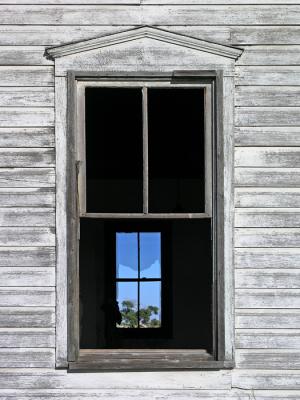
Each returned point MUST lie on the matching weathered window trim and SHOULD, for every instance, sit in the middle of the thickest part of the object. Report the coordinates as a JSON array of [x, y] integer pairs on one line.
[[67, 346]]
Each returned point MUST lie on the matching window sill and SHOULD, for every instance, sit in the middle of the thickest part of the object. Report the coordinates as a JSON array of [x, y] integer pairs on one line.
[[150, 359]]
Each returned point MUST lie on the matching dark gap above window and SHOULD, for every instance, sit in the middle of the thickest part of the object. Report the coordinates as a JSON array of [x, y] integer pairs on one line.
[[176, 150], [114, 160]]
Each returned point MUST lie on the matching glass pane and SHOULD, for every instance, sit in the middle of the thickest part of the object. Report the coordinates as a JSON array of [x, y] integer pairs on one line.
[[176, 150], [114, 155], [150, 257], [150, 304], [127, 298], [127, 255]]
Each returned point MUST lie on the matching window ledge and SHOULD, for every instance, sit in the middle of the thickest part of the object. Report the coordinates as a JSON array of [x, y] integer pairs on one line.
[[146, 359]]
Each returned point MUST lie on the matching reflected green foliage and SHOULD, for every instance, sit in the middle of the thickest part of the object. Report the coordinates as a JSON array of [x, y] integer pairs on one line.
[[130, 316]]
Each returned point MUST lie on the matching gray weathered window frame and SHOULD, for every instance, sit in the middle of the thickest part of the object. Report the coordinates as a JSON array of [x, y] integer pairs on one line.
[[222, 123]]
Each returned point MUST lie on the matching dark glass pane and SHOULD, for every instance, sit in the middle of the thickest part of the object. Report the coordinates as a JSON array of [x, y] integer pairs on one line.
[[150, 255], [127, 298], [127, 255], [114, 150], [176, 150], [150, 305]]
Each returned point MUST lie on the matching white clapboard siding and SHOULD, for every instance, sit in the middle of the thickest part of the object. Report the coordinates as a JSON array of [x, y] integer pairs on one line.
[[27, 358], [268, 358], [266, 279], [148, 15], [28, 137], [267, 237], [268, 116], [27, 297], [269, 96], [27, 177], [267, 380], [27, 276], [270, 55], [267, 217], [267, 258], [267, 157], [267, 338], [28, 157], [27, 337], [267, 318], [27, 236], [27, 197], [27, 317], [27, 256], [23, 55], [267, 75], [267, 197], [267, 136], [23, 116], [26, 96], [26, 76], [267, 177], [267, 298]]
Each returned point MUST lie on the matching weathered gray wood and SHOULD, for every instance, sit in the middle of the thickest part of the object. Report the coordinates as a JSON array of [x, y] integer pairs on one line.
[[268, 359], [27, 236], [148, 15], [267, 298], [26, 97], [267, 338], [267, 136], [27, 276], [270, 55], [22, 116], [23, 55], [265, 318], [27, 137], [27, 358], [267, 217], [27, 197], [273, 380], [267, 157], [27, 256], [260, 96], [266, 279], [272, 75], [27, 177], [27, 157], [26, 76], [267, 258], [27, 337], [268, 116], [267, 237], [267, 197], [267, 177], [27, 297], [27, 317]]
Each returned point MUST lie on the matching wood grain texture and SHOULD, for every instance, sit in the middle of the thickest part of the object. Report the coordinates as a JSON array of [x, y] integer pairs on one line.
[[23, 55], [23, 116], [287, 157], [269, 96], [267, 136], [267, 197], [267, 338], [270, 55], [267, 258], [27, 137], [267, 237], [266, 279], [27, 317], [268, 359], [267, 217], [27, 157], [27, 177], [267, 75], [27, 358], [267, 298], [27, 197], [26, 96], [267, 318], [27, 276], [267, 177], [267, 380], [26, 76], [27, 297], [27, 337], [27, 236], [267, 116], [27, 256]]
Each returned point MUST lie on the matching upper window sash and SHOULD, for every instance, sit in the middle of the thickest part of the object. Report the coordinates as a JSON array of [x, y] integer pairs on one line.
[[81, 146]]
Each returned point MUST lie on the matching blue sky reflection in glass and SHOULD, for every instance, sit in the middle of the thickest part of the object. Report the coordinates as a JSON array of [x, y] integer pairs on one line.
[[127, 255], [150, 255]]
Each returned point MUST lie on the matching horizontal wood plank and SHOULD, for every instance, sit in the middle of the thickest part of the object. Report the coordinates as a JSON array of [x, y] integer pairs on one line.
[[27, 137], [27, 358], [270, 55], [27, 157], [266, 279], [27, 256], [267, 177], [267, 298], [267, 318], [268, 116], [266, 197], [267, 380], [269, 96], [27, 276], [27, 317], [267, 237], [27, 337], [22, 116], [267, 217], [26, 76], [27, 177], [26, 97], [271, 157], [267, 258], [27, 236], [27, 297], [264, 75], [267, 339], [23, 55], [27, 197], [267, 136], [268, 359]]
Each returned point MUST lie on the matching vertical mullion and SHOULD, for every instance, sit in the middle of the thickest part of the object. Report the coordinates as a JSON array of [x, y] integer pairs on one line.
[[139, 275], [145, 150]]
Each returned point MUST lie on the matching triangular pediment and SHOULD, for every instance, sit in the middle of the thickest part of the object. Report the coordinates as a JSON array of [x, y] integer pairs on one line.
[[145, 32]]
